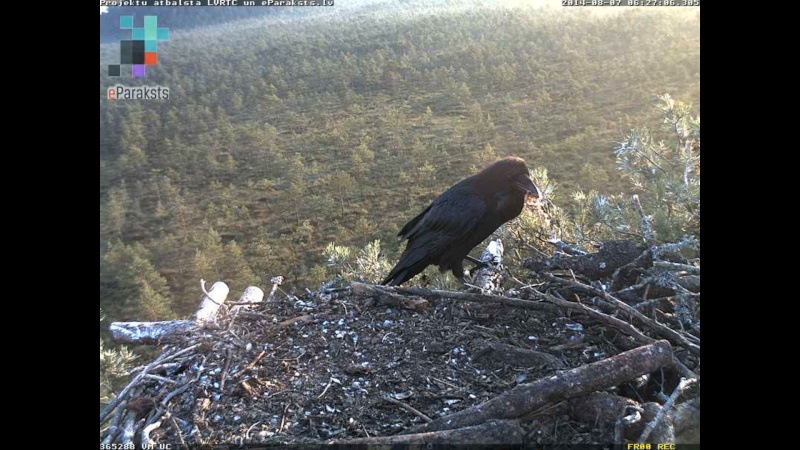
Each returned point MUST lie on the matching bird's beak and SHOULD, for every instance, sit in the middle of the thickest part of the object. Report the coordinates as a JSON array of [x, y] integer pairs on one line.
[[525, 184]]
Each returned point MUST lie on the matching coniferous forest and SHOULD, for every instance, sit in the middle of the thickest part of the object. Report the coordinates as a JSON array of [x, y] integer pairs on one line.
[[290, 138]]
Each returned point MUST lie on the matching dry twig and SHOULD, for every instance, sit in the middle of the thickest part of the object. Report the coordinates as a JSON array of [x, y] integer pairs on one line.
[[664, 409], [408, 408]]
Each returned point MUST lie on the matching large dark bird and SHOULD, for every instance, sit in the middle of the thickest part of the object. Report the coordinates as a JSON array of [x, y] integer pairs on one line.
[[461, 218]]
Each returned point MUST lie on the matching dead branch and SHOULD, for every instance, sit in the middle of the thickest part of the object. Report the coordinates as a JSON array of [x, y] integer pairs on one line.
[[627, 275], [612, 321], [619, 425], [686, 419], [489, 278], [566, 248], [628, 417], [509, 354], [172, 330], [162, 407], [128, 430], [693, 270], [115, 427], [526, 398], [146, 433], [299, 321], [125, 391], [492, 432], [689, 282], [367, 289], [384, 295], [611, 256], [150, 376], [648, 233], [598, 407], [251, 365], [225, 369], [149, 332], [408, 408], [276, 281], [667, 406], [252, 296], [661, 329], [211, 301], [327, 386], [177, 430]]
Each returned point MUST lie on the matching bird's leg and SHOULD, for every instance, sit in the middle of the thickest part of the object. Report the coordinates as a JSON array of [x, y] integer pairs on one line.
[[477, 262], [464, 284], [458, 272], [467, 286]]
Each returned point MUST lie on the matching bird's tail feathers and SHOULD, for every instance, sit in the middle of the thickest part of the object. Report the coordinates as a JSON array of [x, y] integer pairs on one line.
[[414, 260], [395, 277]]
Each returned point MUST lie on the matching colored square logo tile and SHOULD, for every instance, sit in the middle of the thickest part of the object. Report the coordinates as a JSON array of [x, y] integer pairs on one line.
[[137, 70], [138, 52], [126, 22], [142, 49], [126, 52], [150, 27]]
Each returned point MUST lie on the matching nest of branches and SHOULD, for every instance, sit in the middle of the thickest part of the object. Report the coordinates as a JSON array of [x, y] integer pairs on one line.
[[601, 347]]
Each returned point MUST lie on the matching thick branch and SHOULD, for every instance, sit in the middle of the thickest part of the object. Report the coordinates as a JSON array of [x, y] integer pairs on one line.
[[157, 362], [516, 356], [149, 332], [434, 294], [167, 331], [276, 281], [663, 330], [211, 302], [494, 432], [252, 295], [386, 296], [611, 256], [529, 397], [489, 278], [667, 406], [566, 248]]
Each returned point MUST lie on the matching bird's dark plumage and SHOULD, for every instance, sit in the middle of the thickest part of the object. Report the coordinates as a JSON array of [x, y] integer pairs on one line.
[[461, 218]]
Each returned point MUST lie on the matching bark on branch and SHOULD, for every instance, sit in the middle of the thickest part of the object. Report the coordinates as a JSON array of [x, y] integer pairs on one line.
[[493, 432], [489, 277], [390, 295], [526, 398], [661, 329], [508, 354], [155, 332], [611, 256]]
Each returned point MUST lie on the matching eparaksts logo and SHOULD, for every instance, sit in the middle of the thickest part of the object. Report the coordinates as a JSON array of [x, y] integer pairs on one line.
[[120, 92], [142, 49]]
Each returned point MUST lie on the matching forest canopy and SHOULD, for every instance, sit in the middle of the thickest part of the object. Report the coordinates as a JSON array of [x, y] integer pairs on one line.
[[284, 137]]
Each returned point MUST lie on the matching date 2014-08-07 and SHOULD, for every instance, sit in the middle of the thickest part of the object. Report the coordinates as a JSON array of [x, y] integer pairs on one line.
[[630, 2], [135, 447]]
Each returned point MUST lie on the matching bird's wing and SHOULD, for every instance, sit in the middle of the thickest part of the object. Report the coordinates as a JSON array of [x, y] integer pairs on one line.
[[443, 224], [453, 216]]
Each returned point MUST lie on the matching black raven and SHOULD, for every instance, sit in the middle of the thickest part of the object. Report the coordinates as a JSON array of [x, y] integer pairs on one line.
[[461, 218]]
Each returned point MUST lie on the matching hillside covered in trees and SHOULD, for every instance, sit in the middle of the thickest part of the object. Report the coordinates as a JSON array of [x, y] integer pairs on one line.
[[285, 135]]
